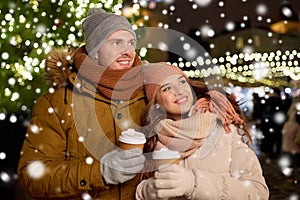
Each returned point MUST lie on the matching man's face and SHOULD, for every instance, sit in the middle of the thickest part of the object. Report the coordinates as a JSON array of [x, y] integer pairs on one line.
[[117, 51]]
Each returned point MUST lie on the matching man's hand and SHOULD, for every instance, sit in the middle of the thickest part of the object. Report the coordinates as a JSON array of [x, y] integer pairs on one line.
[[119, 165]]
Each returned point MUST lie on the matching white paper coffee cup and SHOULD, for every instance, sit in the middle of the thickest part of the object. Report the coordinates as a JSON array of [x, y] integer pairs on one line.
[[165, 156]]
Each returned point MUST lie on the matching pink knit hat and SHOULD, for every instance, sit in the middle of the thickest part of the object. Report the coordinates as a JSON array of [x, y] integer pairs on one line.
[[154, 74]]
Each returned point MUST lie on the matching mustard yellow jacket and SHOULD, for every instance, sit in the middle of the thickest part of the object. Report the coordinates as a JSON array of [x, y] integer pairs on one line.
[[70, 129]]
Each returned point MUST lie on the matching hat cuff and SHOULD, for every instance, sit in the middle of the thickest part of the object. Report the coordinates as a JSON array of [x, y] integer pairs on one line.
[[91, 49]]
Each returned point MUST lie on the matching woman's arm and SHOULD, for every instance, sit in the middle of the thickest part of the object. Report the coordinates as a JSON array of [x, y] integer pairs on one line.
[[245, 181]]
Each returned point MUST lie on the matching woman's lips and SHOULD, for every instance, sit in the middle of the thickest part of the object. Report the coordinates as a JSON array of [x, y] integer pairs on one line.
[[181, 100]]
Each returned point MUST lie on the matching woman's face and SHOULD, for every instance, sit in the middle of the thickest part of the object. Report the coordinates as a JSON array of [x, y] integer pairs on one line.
[[175, 95]]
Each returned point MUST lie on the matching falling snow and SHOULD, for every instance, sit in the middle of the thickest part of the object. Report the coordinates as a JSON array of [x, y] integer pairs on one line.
[[34, 128], [34, 35], [5, 177], [36, 169]]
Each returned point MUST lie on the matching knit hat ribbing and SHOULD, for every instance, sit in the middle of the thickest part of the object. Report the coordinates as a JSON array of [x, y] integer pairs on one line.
[[99, 25], [154, 74]]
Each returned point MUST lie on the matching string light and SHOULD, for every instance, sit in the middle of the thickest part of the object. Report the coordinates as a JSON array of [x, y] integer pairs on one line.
[[65, 30]]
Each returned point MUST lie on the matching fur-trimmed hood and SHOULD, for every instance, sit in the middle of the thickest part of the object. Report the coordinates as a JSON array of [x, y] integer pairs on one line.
[[59, 66]]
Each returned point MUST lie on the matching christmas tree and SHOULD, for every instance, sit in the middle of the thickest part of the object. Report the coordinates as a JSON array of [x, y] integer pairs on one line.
[[29, 30]]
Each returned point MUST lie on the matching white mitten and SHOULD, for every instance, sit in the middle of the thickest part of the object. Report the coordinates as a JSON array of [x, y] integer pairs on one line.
[[149, 190], [173, 181], [119, 165]]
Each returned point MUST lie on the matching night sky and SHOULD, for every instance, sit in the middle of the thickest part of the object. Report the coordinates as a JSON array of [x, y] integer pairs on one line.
[[217, 13]]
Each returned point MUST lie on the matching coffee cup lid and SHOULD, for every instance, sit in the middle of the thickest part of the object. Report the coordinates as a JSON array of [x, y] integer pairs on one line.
[[165, 153], [132, 136]]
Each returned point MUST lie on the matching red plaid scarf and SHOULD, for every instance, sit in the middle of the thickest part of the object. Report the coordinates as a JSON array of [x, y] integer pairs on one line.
[[120, 84]]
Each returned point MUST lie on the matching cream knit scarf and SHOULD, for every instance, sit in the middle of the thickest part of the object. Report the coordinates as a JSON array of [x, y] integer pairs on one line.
[[115, 84], [186, 135]]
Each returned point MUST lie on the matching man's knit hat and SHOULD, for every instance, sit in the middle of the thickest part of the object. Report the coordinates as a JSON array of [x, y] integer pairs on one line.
[[154, 74], [99, 25]]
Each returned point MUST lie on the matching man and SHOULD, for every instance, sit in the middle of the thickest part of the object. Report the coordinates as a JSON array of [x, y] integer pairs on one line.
[[70, 147]]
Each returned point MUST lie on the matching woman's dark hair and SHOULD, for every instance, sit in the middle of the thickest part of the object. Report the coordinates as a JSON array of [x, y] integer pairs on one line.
[[201, 91]]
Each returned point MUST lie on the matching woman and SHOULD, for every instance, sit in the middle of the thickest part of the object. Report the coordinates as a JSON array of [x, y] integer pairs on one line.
[[208, 130]]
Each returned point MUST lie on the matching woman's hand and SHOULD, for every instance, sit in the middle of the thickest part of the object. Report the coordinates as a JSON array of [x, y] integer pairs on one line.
[[173, 180]]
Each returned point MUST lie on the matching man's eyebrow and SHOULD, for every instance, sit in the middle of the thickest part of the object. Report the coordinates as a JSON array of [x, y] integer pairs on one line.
[[114, 39], [120, 39]]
